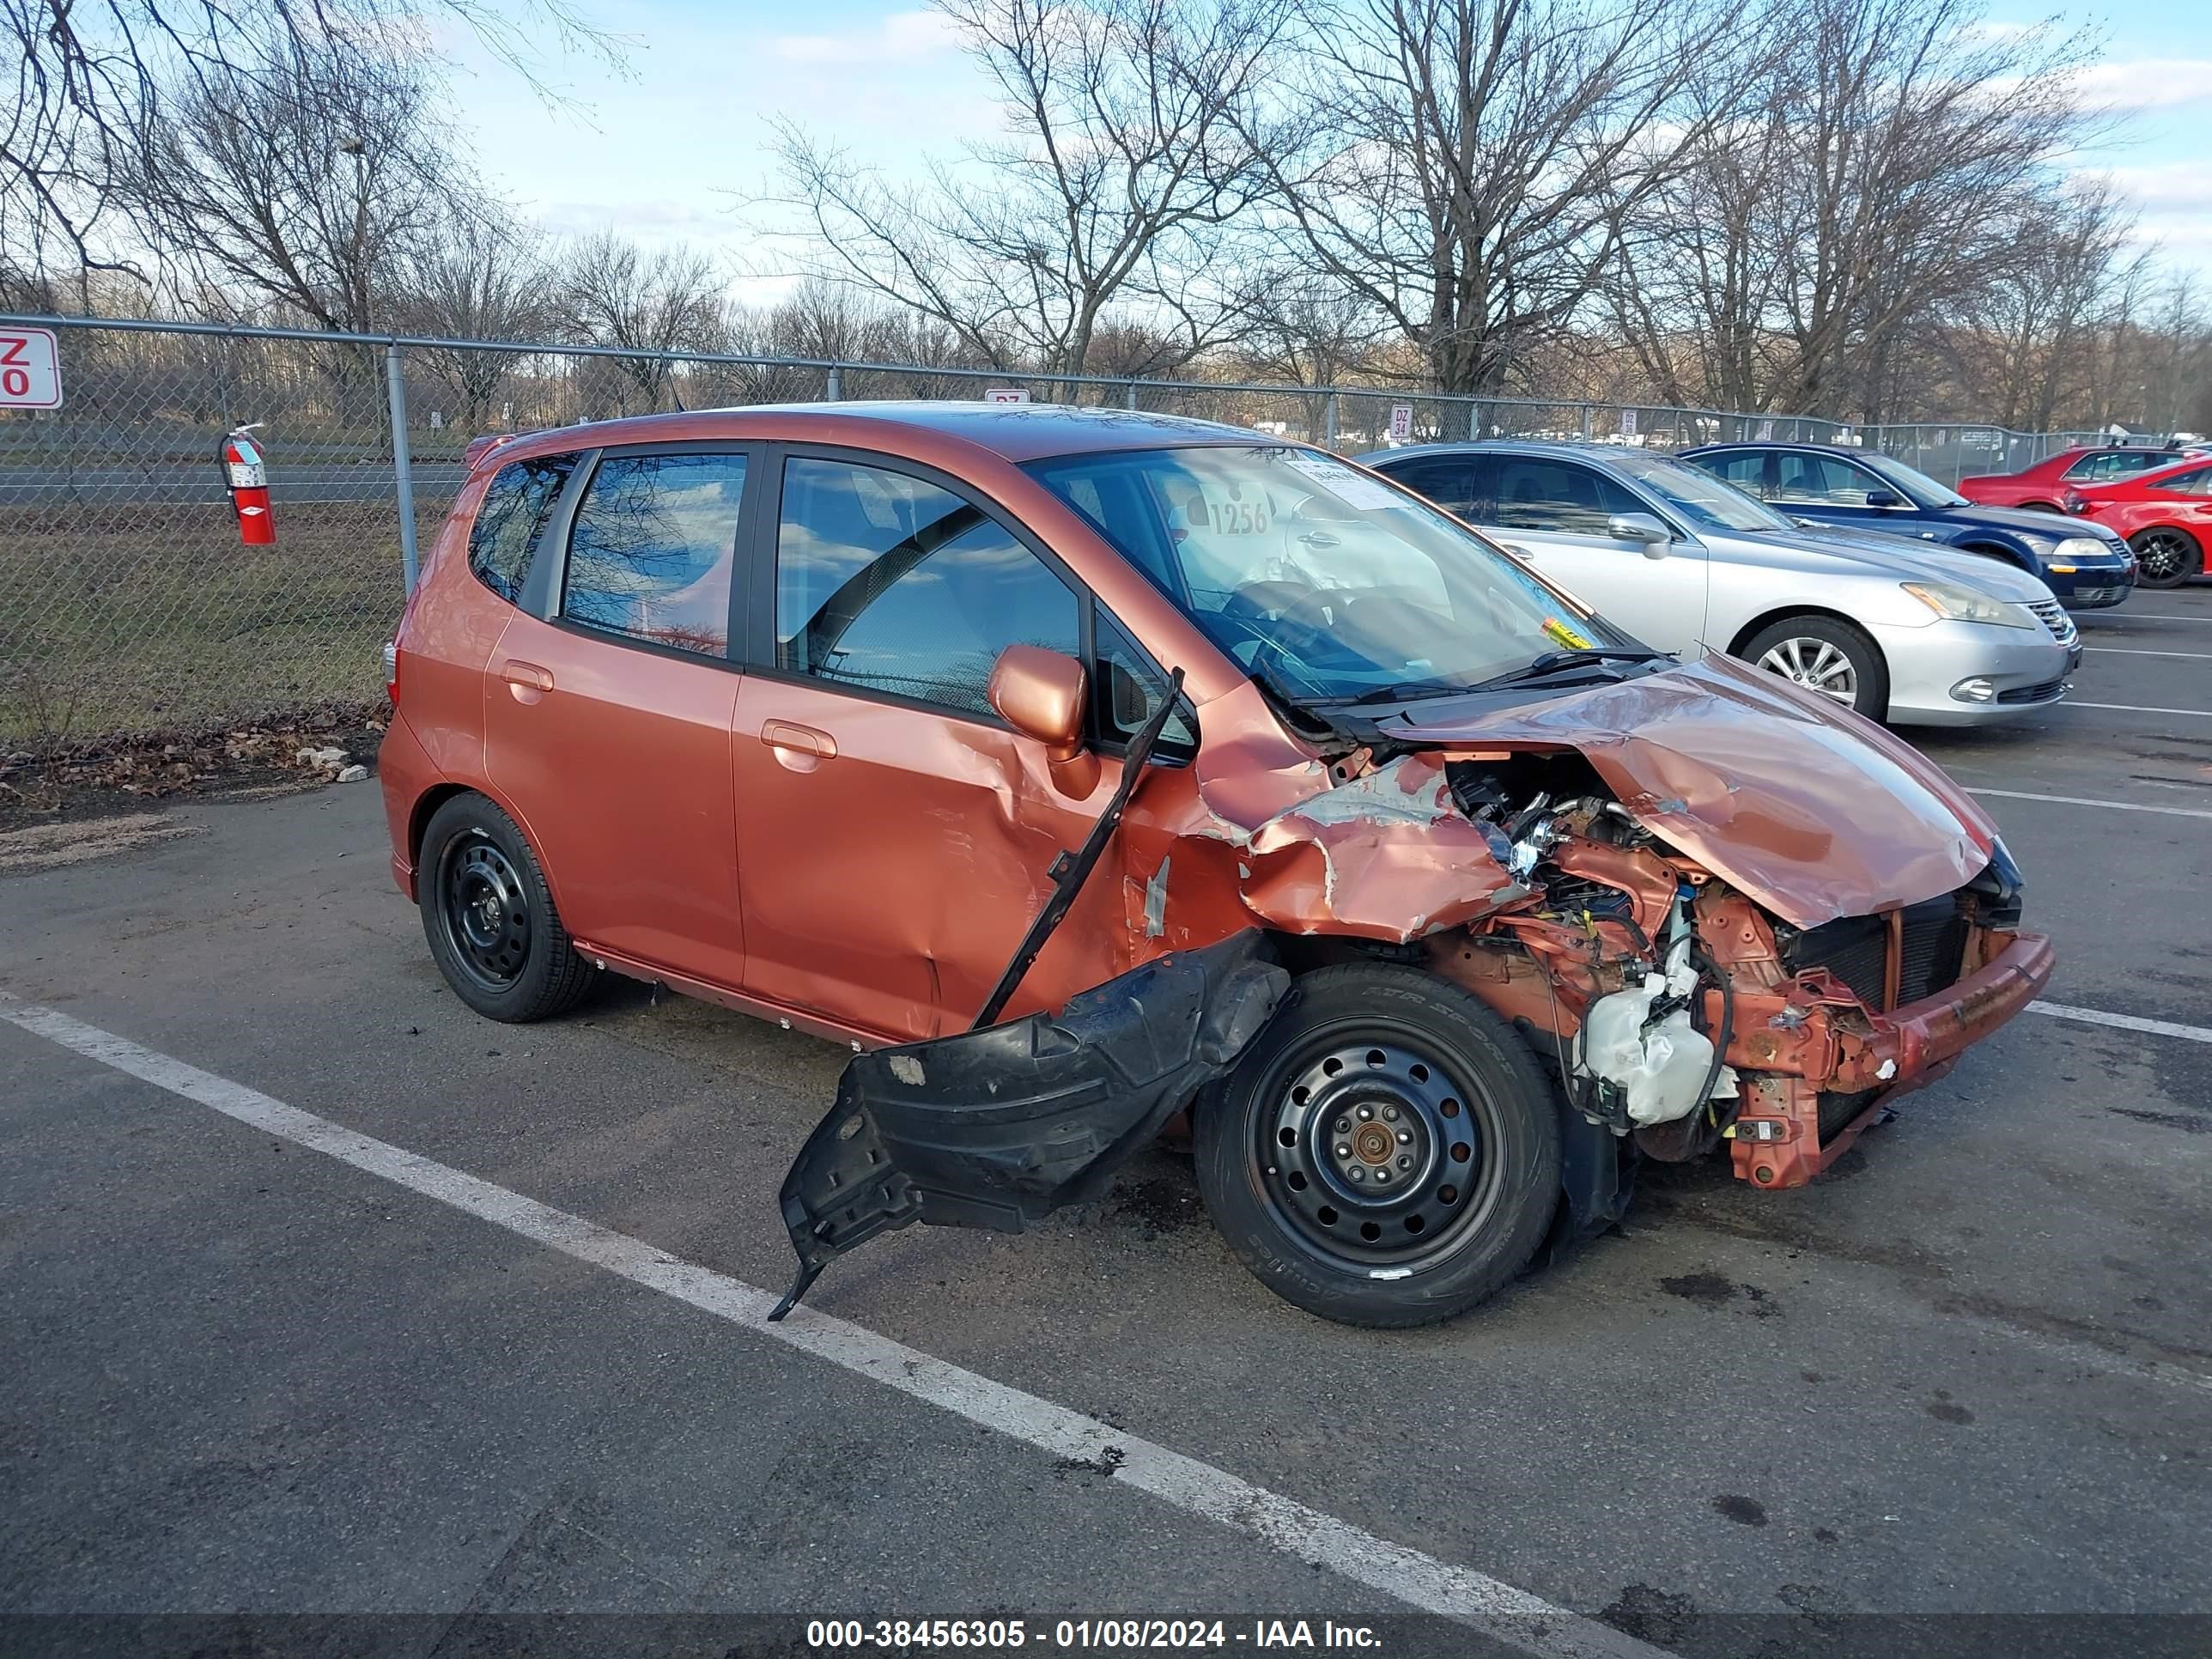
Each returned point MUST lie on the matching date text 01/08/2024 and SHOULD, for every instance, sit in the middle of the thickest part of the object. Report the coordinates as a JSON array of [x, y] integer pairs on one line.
[[986, 1635]]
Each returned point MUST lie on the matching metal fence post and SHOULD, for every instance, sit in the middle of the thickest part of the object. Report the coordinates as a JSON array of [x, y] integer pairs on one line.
[[1590, 422], [836, 389], [1475, 423], [403, 471], [1328, 421], [1133, 395]]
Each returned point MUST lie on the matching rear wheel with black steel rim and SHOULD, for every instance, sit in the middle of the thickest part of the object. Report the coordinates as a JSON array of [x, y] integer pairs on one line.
[[1387, 1154], [2166, 557], [488, 916]]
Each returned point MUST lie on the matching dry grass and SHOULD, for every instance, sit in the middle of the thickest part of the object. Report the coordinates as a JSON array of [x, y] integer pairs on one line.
[[139, 617]]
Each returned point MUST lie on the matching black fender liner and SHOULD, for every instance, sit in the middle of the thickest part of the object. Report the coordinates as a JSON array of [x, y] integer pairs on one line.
[[1000, 1126]]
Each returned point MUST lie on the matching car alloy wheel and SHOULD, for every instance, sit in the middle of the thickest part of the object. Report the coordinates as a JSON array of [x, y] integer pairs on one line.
[[485, 909], [1818, 665], [2163, 558], [1374, 1155]]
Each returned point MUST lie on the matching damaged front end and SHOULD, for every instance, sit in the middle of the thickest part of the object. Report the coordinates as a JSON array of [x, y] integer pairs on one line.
[[1684, 1014], [1724, 910], [1724, 914]]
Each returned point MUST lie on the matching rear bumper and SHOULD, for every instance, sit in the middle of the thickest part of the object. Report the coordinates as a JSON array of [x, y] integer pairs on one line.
[[1777, 1135], [407, 773]]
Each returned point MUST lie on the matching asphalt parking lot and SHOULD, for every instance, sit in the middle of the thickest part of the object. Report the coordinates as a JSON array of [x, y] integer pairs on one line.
[[251, 1363]]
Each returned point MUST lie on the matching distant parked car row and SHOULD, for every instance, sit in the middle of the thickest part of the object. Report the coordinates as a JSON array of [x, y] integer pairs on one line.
[[2085, 566], [2045, 486], [2160, 500], [1897, 630]]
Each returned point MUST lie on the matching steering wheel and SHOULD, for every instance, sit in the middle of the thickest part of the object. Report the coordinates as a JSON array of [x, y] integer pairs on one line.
[[1286, 624]]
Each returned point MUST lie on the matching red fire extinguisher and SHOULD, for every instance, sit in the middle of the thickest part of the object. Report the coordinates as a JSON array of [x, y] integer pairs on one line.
[[247, 479]]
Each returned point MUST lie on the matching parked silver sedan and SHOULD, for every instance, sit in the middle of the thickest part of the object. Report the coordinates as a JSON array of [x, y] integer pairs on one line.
[[1900, 631]]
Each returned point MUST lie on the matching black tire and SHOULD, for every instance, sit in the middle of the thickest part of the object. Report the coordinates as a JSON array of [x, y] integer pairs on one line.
[[1474, 1149], [2167, 556], [1800, 640], [489, 916]]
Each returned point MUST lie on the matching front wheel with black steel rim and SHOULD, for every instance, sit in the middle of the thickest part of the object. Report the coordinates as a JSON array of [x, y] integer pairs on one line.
[[488, 916], [2166, 557], [1387, 1154], [1828, 655]]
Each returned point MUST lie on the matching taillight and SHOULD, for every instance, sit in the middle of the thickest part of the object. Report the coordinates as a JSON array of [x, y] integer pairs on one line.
[[392, 670], [2075, 502]]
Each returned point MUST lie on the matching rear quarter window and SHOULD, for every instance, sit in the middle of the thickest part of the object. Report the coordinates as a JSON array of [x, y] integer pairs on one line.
[[517, 506]]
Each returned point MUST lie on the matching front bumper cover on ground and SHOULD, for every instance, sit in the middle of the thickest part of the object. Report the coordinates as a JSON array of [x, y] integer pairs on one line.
[[1000, 1126]]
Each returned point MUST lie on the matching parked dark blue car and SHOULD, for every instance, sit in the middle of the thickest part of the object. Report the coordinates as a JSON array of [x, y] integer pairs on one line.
[[2085, 565]]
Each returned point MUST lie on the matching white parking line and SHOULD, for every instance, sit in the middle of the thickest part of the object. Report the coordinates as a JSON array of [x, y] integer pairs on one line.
[[2121, 651], [1506, 1614], [2085, 800], [2123, 1022], [2135, 708]]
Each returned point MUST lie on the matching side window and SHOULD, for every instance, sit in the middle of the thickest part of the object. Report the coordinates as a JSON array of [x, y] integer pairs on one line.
[[1125, 692], [651, 553], [885, 581], [1748, 472], [1822, 480], [2196, 482], [1447, 480], [516, 506], [2093, 468], [1537, 494]]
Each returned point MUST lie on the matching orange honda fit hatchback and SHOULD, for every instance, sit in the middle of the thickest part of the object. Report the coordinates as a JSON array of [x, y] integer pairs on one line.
[[1083, 770]]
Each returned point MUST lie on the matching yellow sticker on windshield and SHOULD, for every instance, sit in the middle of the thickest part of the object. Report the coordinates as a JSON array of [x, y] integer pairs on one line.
[[1554, 628]]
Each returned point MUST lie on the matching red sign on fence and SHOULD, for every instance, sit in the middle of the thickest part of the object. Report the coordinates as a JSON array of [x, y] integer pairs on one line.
[[30, 368]]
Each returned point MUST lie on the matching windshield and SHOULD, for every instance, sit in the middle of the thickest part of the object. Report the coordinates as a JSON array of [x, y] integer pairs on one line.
[[1918, 487], [1706, 501], [1319, 582]]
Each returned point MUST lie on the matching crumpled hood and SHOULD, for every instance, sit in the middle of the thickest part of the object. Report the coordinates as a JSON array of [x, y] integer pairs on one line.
[[1804, 806], [1909, 559]]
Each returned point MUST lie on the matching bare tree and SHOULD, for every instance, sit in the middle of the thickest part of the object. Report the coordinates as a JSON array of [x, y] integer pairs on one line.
[[482, 277], [1473, 158], [663, 303], [2016, 342], [97, 85], [1136, 129], [310, 184], [1895, 169]]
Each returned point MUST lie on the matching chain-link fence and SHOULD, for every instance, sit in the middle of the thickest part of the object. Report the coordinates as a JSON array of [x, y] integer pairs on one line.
[[127, 602]]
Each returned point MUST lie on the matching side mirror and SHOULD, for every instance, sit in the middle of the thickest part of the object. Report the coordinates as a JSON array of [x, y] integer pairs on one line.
[[1884, 498], [1043, 694], [1640, 527]]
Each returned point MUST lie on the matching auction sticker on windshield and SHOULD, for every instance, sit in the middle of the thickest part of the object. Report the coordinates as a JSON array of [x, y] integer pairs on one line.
[[1348, 485]]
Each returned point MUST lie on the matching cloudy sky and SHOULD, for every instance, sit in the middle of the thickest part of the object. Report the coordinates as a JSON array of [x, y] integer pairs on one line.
[[660, 152]]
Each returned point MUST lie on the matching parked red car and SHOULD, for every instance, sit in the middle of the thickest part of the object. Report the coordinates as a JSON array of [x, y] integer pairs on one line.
[[1260, 792], [2167, 516], [2043, 486]]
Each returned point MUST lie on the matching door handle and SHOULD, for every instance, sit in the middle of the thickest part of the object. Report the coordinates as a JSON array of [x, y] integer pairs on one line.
[[526, 680], [799, 739]]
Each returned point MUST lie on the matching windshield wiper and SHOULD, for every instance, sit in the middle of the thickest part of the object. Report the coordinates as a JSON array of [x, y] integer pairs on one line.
[[1411, 691], [1553, 662]]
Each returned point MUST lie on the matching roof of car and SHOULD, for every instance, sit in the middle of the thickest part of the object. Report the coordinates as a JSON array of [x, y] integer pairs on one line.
[[1579, 448], [1013, 432]]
